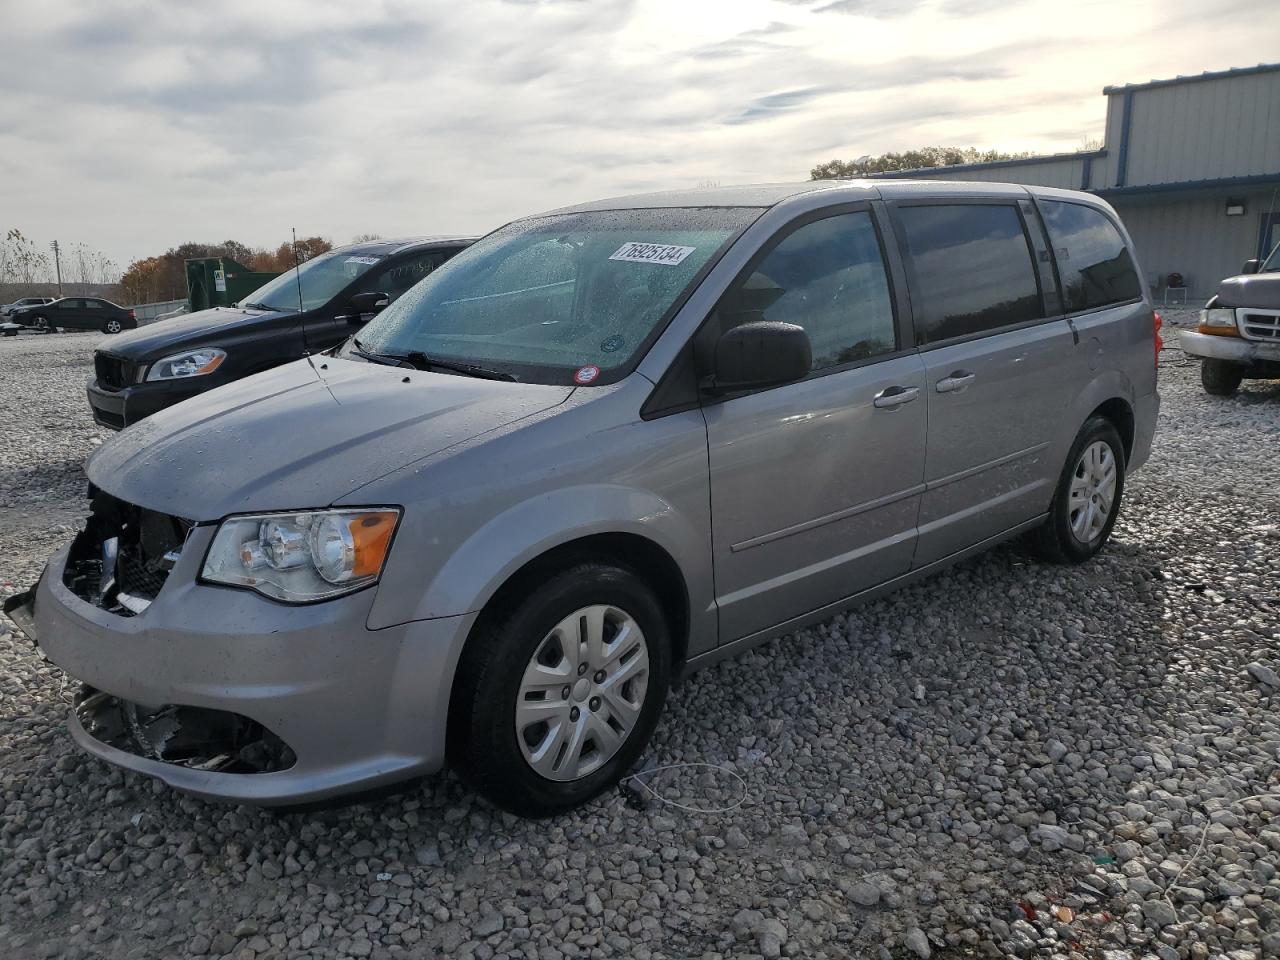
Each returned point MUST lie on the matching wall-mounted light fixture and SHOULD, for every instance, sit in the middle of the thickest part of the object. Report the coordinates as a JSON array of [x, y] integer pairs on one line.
[[1235, 208]]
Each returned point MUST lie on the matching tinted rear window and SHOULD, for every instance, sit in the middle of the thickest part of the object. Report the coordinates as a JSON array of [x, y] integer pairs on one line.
[[971, 269], [1093, 262]]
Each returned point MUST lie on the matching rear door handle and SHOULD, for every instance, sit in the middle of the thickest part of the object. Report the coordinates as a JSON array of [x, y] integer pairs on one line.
[[891, 398], [958, 381]]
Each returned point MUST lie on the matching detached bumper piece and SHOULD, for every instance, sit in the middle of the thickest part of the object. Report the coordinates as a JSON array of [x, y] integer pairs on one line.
[[198, 738], [20, 608]]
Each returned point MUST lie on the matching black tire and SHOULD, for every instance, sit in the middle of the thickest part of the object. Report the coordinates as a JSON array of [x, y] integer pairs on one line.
[[1220, 377], [1055, 541], [483, 744], [41, 323], [106, 327]]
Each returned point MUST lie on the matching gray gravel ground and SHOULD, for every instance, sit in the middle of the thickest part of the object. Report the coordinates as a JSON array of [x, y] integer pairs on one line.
[[1011, 758]]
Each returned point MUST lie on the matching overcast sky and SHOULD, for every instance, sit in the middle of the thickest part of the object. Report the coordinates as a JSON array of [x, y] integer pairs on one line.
[[133, 126]]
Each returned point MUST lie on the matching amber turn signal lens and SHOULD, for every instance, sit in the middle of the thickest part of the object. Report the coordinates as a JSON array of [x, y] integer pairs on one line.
[[371, 534]]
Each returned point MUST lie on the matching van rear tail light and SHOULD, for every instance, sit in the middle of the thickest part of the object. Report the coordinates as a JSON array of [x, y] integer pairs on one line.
[[1157, 322]]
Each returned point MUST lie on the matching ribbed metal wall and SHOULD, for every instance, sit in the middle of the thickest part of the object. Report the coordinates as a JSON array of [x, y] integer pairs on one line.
[[1206, 130], [1190, 233]]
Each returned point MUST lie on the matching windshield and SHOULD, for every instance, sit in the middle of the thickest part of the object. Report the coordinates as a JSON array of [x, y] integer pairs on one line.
[[559, 299], [320, 277], [1272, 263]]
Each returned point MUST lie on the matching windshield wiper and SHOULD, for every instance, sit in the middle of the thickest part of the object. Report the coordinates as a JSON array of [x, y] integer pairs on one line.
[[263, 306], [421, 361], [424, 362]]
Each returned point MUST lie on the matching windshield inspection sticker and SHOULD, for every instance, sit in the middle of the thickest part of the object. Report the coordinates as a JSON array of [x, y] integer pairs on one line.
[[369, 260], [664, 253], [584, 375]]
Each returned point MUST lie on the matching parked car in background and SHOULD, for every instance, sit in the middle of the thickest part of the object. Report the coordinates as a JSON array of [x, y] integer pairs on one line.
[[1238, 336], [23, 303], [76, 313], [298, 313], [601, 447]]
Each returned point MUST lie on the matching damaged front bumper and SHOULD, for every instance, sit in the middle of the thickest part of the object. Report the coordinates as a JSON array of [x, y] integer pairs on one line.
[[222, 693]]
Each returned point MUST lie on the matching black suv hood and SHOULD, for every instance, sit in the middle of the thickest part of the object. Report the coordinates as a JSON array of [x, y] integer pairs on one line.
[[191, 330], [1250, 290]]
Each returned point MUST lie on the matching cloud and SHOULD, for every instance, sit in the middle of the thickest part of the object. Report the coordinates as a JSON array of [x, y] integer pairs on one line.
[[141, 124]]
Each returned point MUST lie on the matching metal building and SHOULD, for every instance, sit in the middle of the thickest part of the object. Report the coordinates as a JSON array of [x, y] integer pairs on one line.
[[1191, 164]]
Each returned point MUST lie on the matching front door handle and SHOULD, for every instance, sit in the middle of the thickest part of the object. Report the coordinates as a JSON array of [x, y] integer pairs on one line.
[[891, 398], [957, 382]]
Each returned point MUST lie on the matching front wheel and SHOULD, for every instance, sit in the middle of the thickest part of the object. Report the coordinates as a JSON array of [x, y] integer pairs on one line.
[[1087, 499], [1221, 378], [42, 324], [556, 698]]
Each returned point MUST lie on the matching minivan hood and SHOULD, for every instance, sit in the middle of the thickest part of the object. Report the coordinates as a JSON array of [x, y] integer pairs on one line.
[[187, 330], [302, 435], [1250, 290]]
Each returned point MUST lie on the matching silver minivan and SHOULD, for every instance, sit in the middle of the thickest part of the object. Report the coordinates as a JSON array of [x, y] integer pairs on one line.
[[600, 448]]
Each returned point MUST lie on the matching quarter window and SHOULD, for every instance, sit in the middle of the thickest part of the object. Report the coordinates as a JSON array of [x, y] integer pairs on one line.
[[828, 277], [971, 269], [1093, 263]]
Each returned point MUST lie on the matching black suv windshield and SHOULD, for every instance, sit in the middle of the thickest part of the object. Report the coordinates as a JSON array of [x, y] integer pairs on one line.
[[320, 277], [547, 297]]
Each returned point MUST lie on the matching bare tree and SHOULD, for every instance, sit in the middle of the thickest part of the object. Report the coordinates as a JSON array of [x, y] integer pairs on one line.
[[21, 261], [86, 265], [366, 237]]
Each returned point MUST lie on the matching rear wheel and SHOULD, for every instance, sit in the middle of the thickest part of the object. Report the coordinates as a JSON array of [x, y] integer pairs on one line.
[[556, 698], [1087, 499], [1220, 377], [112, 326]]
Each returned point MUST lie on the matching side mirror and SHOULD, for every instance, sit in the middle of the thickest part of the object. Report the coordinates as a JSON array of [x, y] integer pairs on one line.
[[763, 353], [1250, 266], [369, 302]]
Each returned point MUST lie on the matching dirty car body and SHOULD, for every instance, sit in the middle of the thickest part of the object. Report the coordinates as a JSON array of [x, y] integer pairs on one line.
[[606, 428]]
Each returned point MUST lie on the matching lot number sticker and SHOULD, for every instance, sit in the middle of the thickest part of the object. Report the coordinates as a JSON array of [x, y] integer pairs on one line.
[[664, 253]]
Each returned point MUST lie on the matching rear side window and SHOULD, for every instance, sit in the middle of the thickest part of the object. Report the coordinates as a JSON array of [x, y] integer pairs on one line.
[[971, 269], [1093, 263], [829, 277]]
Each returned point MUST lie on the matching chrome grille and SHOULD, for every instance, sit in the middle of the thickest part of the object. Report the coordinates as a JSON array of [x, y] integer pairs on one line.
[[1260, 324], [114, 373]]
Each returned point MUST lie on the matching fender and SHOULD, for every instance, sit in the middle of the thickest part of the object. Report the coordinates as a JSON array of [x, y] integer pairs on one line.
[[1107, 385], [475, 570]]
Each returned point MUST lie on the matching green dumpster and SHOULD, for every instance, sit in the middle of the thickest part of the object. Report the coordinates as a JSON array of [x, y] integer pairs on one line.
[[220, 282]]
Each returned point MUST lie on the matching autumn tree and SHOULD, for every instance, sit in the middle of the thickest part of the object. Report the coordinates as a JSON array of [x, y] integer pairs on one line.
[[921, 159], [164, 276]]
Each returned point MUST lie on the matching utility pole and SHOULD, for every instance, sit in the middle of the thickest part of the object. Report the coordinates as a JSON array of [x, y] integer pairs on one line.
[[57, 263]]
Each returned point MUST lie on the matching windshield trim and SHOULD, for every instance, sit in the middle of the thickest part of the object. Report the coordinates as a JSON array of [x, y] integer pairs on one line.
[[556, 375]]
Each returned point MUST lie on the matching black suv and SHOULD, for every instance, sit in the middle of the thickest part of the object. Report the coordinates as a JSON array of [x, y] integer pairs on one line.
[[76, 313], [300, 312]]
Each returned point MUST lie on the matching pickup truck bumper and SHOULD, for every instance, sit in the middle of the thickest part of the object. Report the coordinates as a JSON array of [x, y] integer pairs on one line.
[[1236, 349]]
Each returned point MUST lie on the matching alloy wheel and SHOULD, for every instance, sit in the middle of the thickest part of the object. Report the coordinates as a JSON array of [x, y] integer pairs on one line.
[[582, 693], [113, 326], [1093, 491]]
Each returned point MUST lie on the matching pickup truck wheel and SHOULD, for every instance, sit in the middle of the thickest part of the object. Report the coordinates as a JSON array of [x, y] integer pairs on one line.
[[555, 699], [1087, 499], [1220, 377]]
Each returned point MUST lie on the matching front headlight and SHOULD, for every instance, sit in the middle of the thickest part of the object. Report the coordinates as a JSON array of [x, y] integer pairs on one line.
[[1218, 320], [304, 556], [192, 363]]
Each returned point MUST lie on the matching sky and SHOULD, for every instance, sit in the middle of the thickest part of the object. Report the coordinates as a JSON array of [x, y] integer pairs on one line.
[[134, 126]]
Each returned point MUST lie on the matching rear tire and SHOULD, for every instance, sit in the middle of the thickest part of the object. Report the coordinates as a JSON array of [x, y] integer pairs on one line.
[[112, 326], [599, 713], [1221, 378], [1087, 499]]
